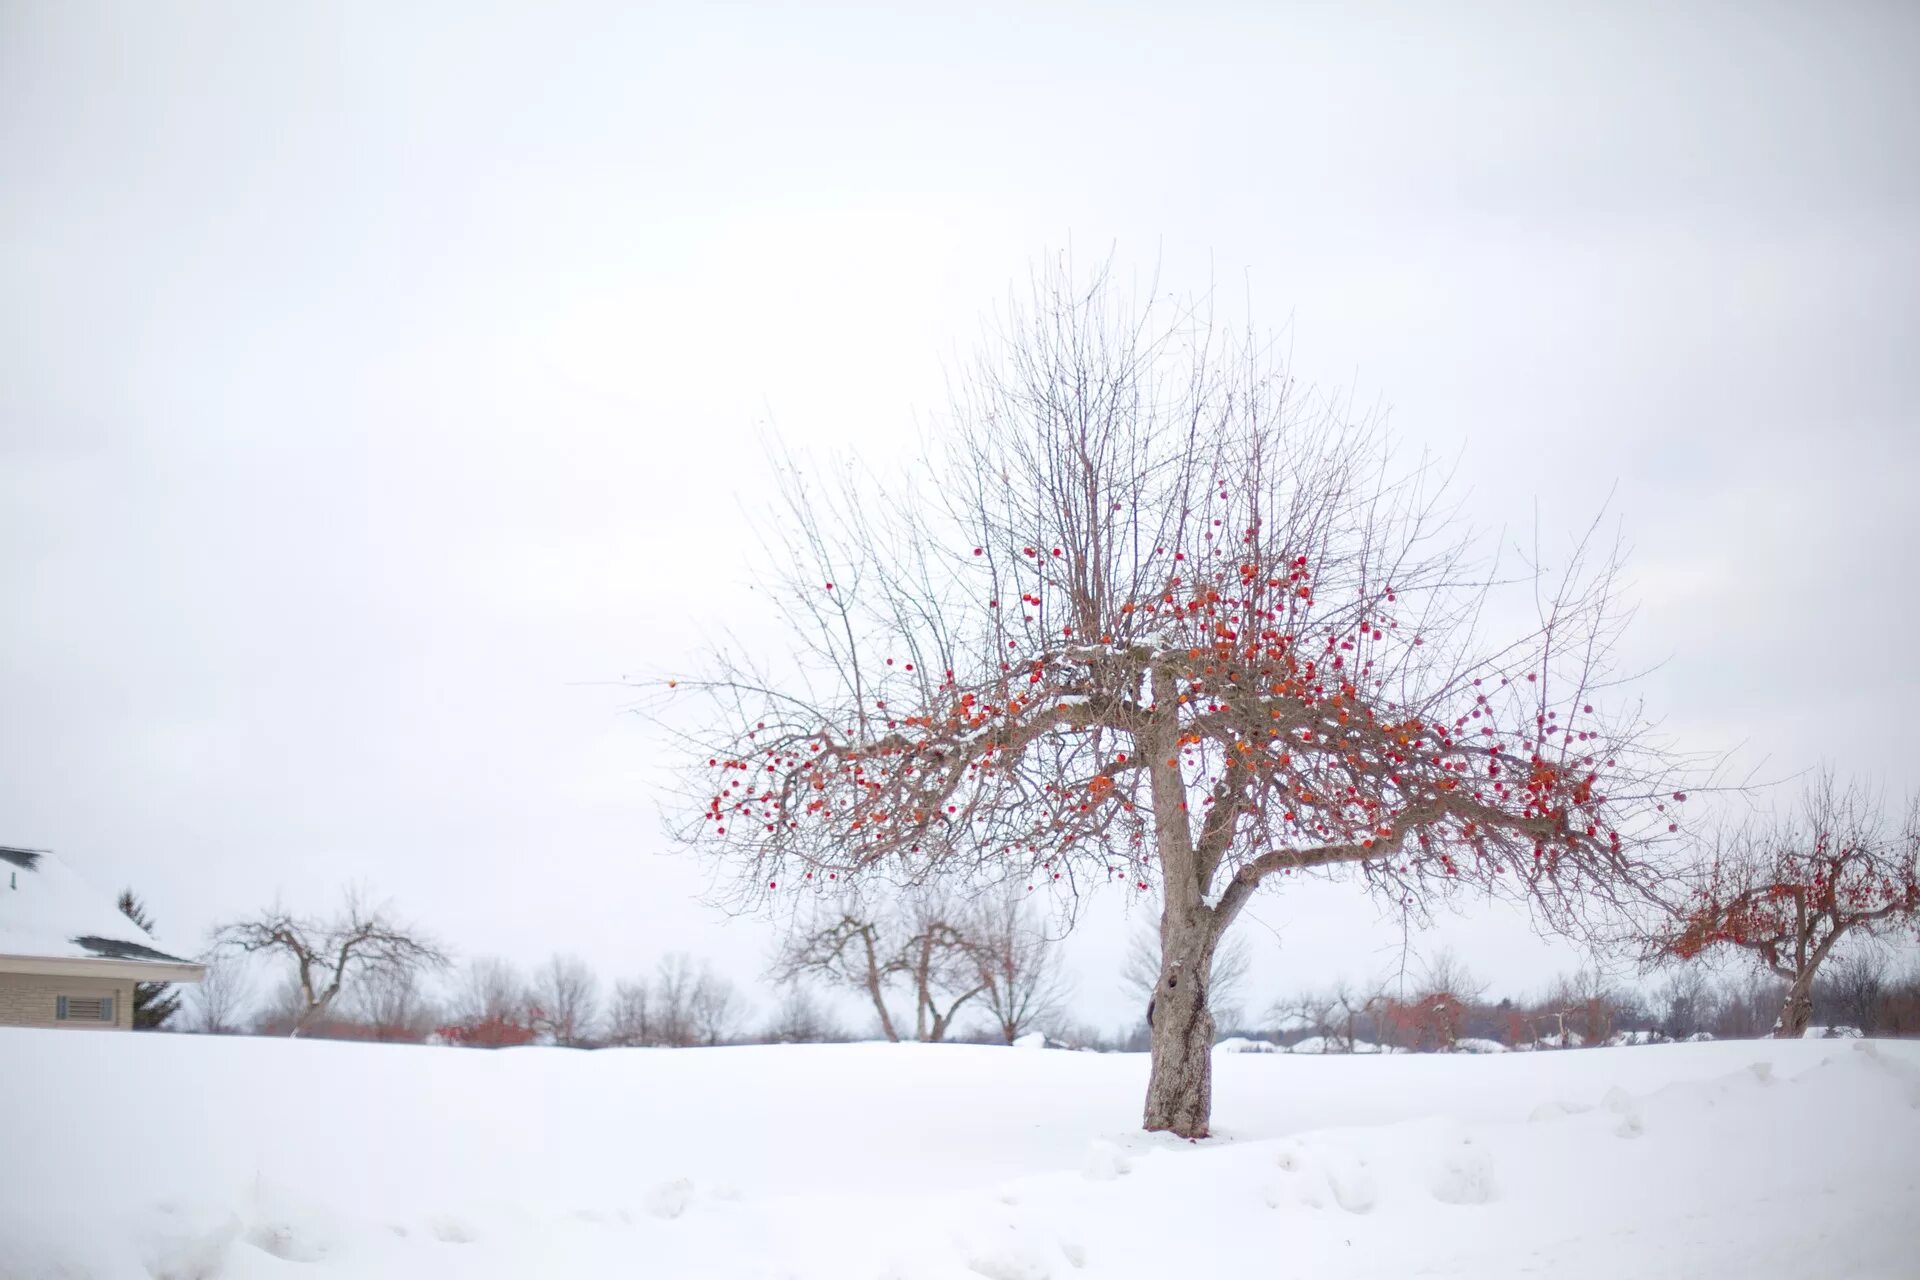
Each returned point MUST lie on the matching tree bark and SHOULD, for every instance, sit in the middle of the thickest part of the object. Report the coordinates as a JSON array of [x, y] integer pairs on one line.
[[1797, 1015], [1180, 1089]]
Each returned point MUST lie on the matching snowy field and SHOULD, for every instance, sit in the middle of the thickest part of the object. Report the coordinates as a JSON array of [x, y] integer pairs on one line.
[[159, 1155]]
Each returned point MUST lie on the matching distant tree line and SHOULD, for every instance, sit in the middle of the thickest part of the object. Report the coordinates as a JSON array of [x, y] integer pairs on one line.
[[986, 967], [1447, 1010], [937, 968]]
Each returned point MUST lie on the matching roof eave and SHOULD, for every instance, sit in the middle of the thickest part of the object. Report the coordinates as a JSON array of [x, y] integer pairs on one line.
[[92, 967]]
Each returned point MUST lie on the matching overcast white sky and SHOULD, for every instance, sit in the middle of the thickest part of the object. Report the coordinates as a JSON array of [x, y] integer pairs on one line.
[[375, 383]]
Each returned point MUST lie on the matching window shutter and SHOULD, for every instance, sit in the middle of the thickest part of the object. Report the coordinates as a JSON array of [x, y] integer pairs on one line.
[[106, 1009], [60, 1008]]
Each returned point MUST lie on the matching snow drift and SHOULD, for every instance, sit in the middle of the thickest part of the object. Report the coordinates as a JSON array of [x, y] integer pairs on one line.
[[172, 1156]]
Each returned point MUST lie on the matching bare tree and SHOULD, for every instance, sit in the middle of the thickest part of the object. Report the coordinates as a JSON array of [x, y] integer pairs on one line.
[[850, 946], [1899, 1010], [940, 962], [1748, 1006], [673, 997], [690, 1004], [1153, 616], [1586, 1005], [630, 1017], [1232, 958], [328, 953], [799, 1018], [1856, 986], [566, 1001], [220, 1000], [1686, 1002], [1445, 973], [923, 941], [1018, 965], [490, 989], [1354, 1003], [1788, 892], [393, 1005], [714, 1008], [1311, 1012], [491, 1006], [1332, 1015]]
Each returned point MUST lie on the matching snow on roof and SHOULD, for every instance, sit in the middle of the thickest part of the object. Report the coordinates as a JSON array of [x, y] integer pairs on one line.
[[48, 909]]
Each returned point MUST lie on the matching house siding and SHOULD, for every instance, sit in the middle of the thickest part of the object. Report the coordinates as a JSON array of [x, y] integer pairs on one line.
[[32, 1000]]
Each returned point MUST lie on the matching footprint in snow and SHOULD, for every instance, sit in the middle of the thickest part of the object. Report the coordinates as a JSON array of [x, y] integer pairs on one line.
[[287, 1242], [1105, 1162], [670, 1199], [1353, 1186], [1622, 1104], [1465, 1175], [1556, 1109], [183, 1240], [1011, 1261]]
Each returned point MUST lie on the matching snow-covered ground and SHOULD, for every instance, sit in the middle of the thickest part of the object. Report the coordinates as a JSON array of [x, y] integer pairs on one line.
[[155, 1155]]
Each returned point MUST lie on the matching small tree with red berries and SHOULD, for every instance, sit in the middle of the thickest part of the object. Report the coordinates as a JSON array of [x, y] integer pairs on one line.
[[1154, 617], [1788, 892]]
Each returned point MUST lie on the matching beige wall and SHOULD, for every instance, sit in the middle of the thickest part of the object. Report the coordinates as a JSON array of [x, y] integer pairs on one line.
[[28, 1000]]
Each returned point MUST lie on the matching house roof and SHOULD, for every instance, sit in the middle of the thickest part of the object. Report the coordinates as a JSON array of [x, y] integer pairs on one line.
[[49, 909]]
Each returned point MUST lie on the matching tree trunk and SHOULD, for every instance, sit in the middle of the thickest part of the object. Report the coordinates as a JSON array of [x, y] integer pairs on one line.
[[316, 1009], [1798, 1013], [874, 991], [1180, 1089], [307, 1016], [920, 980]]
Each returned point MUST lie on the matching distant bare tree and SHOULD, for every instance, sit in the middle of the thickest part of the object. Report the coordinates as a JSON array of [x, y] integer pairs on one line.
[[850, 947], [1856, 986], [630, 1020], [1686, 1002], [393, 1005], [327, 954], [1018, 964], [1232, 957], [1333, 1015], [1445, 973], [1899, 1012], [1081, 1035], [1747, 1006], [1585, 1004], [714, 1008], [1353, 1003], [218, 1003], [800, 1019], [566, 1001], [673, 1000], [1434, 1016], [926, 942], [940, 962], [690, 1004], [1310, 1011], [490, 990]]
